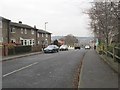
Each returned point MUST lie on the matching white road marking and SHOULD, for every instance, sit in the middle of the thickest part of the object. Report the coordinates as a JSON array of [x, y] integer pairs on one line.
[[19, 69]]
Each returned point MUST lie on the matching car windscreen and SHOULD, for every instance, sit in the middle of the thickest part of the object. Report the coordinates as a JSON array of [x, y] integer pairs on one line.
[[50, 46]]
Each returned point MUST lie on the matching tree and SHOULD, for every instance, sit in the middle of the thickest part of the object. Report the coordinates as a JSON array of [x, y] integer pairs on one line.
[[70, 40], [55, 42], [104, 20]]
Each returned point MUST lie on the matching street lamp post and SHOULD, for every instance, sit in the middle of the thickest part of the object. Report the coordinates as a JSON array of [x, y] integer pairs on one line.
[[45, 25], [46, 41]]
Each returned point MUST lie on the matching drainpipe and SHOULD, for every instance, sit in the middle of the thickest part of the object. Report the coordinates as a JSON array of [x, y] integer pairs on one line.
[[36, 37], [8, 29]]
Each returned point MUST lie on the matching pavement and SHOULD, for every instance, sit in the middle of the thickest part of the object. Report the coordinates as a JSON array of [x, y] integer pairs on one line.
[[19, 56], [95, 73], [112, 63]]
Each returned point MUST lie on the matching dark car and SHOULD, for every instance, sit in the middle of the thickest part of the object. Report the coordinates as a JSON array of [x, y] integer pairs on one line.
[[63, 48], [51, 49], [77, 47]]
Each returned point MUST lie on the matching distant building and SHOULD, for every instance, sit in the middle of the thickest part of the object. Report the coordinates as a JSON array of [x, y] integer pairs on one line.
[[61, 41]]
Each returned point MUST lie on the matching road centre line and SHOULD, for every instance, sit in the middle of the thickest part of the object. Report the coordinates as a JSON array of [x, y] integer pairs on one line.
[[19, 69]]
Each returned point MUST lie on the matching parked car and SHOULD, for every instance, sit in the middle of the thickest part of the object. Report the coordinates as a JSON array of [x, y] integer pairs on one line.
[[51, 49], [87, 47], [63, 48]]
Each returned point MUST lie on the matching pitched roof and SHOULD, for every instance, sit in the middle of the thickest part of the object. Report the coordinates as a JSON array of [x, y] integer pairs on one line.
[[43, 31], [2, 18], [21, 25]]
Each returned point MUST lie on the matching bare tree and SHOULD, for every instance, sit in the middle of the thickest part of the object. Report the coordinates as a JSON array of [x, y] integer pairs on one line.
[[104, 20], [70, 40]]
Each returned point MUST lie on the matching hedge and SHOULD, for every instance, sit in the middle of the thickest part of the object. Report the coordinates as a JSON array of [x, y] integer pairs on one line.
[[19, 50]]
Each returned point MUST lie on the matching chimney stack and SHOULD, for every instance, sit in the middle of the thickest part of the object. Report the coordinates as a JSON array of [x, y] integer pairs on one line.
[[35, 26], [20, 22]]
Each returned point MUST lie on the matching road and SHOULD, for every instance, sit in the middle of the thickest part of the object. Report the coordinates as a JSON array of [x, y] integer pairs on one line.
[[56, 70]]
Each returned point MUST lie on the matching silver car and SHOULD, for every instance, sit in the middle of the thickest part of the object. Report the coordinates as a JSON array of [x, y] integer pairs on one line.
[[63, 48], [51, 49]]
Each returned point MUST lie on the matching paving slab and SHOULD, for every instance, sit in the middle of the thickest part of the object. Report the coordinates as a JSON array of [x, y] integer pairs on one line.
[[95, 73]]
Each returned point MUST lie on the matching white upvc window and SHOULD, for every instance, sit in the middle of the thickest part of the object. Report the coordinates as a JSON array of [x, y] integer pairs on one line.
[[32, 31], [22, 43], [38, 35], [30, 42], [46, 35], [12, 30], [33, 42], [21, 30], [25, 31], [42, 35]]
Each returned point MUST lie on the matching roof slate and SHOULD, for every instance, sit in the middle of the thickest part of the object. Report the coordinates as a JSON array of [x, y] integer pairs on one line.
[[24, 26], [2, 18], [21, 25], [43, 31]]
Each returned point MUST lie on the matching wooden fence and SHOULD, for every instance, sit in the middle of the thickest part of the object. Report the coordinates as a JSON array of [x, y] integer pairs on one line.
[[114, 53]]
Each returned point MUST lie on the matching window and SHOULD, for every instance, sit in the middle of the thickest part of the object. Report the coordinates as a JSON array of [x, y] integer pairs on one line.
[[32, 31], [46, 35], [13, 41], [38, 42], [30, 42], [25, 42], [42, 35], [22, 42], [13, 30], [25, 31], [21, 30], [38, 35], [33, 42]]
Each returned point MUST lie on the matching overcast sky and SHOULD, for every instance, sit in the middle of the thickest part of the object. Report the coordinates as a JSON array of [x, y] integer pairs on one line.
[[63, 16]]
